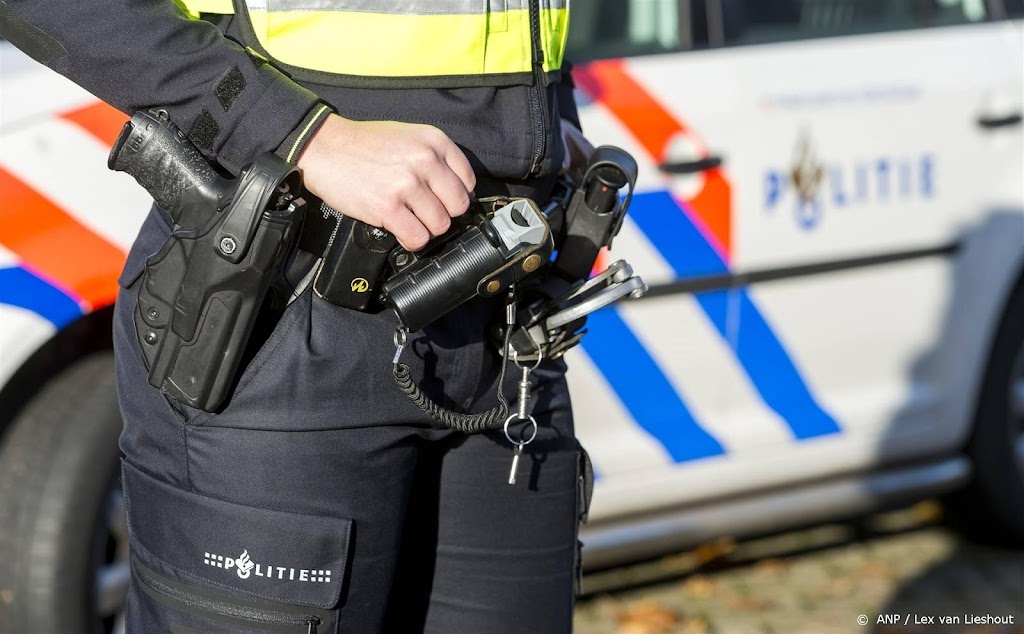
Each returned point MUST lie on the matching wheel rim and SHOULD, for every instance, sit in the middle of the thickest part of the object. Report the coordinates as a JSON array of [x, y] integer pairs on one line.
[[1017, 408], [111, 574]]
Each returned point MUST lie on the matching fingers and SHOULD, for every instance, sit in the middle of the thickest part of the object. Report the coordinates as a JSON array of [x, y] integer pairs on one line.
[[410, 179], [423, 205], [459, 164], [430, 211], [449, 189], [408, 229]]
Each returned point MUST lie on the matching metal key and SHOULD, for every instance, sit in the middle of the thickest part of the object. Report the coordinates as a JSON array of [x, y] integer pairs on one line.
[[516, 453], [522, 416], [518, 445]]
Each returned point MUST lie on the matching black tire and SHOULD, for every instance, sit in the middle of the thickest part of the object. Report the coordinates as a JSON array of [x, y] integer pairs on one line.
[[991, 508], [58, 467]]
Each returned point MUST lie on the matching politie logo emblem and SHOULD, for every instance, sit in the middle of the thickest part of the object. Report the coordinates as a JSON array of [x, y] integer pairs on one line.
[[245, 568], [244, 565], [814, 188]]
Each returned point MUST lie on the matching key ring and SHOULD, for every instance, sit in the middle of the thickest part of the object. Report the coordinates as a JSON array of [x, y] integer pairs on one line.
[[515, 359], [401, 338], [520, 442]]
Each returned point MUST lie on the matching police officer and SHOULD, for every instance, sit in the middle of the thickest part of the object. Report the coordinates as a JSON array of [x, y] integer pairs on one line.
[[320, 499]]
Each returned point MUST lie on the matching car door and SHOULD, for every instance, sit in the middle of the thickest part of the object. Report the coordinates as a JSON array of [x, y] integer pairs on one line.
[[659, 392], [808, 170], [877, 218]]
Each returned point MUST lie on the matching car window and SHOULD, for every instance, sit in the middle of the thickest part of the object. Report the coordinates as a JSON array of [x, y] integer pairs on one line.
[[753, 21], [1015, 8], [624, 28]]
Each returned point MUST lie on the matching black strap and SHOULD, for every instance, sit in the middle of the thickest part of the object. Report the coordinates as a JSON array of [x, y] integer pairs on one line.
[[459, 421]]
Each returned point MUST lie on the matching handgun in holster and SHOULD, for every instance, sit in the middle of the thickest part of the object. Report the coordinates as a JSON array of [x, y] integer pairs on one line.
[[201, 292]]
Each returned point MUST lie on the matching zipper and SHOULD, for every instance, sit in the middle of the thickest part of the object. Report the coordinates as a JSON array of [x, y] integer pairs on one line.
[[538, 114], [252, 615]]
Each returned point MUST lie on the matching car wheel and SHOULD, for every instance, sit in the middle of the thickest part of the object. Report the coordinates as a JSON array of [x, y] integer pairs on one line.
[[63, 533], [992, 507]]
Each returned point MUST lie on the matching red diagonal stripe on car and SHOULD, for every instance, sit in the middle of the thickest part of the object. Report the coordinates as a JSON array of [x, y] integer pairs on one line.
[[654, 127], [100, 120], [55, 246]]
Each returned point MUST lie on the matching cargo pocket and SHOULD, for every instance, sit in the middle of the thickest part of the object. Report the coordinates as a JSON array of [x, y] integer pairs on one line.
[[584, 493], [205, 609], [202, 564]]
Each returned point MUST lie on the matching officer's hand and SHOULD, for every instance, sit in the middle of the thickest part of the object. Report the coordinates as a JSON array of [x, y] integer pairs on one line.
[[577, 151], [409, 179]]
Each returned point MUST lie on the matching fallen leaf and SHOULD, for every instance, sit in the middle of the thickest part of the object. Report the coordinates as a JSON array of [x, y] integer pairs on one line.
[[711, 551], [700, 586], [696, 625], [748, 603], [772, 566], [647, 617], [875, 569], [928, 511]]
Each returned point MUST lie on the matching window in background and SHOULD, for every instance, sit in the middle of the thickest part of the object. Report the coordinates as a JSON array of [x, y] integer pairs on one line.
[[753, 21], [601, 29], [1015, 8]]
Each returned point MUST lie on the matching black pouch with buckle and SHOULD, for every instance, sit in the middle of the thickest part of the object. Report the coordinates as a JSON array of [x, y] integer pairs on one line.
[[482, 254]]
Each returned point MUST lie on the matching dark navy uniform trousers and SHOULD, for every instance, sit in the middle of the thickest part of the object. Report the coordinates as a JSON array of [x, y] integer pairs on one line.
[[320, 499]]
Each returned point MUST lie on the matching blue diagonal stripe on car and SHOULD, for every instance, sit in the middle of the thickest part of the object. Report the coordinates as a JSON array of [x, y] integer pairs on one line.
[[756, 346], [769, 366], [642, 387], [21, 288]]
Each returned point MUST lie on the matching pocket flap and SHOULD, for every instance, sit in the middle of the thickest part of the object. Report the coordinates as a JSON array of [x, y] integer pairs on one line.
[[286, 557]]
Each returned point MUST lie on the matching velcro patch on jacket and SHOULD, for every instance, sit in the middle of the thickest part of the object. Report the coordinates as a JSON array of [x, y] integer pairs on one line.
[[230, 85], [204, 131]]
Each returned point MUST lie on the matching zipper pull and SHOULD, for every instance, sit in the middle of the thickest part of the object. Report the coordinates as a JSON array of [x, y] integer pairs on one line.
[[313, 622]]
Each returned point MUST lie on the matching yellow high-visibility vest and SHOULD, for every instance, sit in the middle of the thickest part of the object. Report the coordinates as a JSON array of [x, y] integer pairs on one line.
[[404, 43]]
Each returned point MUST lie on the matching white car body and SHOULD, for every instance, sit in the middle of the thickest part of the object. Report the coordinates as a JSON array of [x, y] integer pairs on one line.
[[802, 356]]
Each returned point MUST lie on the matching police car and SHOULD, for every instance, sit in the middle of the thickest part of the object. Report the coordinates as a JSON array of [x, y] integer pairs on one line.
[[830, 214]]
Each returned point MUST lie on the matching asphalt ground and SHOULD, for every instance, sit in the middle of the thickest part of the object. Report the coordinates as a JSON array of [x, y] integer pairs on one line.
[[903, 572]]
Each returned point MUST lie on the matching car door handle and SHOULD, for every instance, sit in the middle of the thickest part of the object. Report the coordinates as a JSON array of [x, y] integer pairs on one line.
[[990, 122], [691, 167]]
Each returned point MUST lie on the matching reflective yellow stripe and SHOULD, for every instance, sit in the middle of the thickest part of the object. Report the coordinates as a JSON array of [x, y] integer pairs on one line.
[[209, 6], [380, 45], [403, 44], [554, 32], [302, 135]]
